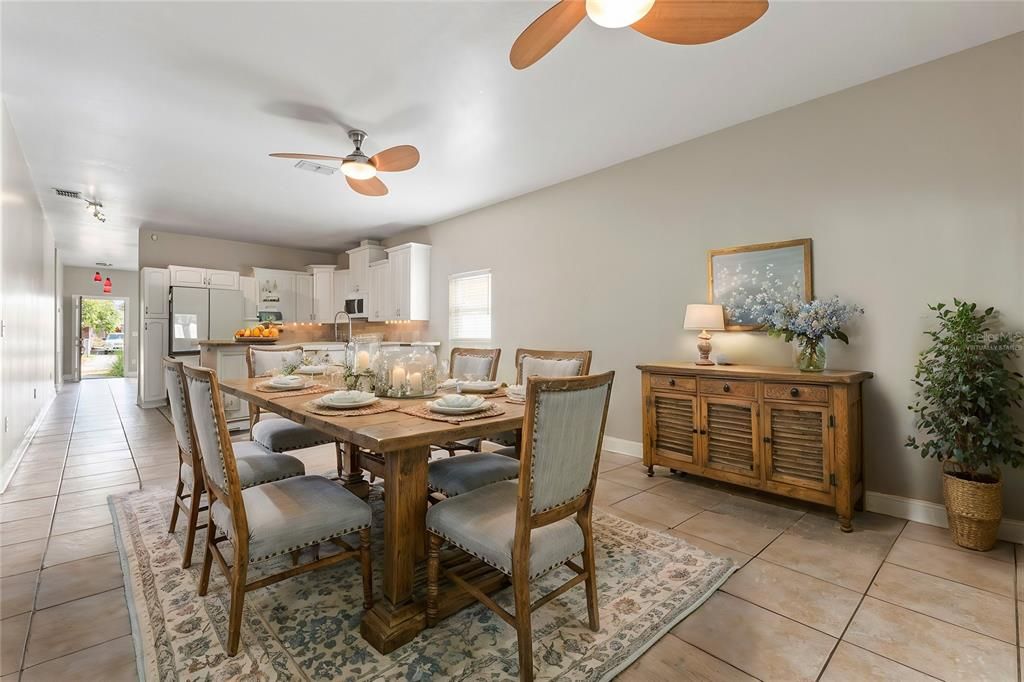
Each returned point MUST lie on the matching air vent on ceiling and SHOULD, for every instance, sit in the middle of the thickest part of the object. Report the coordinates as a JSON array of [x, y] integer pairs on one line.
[[67, 193], [316, 167]]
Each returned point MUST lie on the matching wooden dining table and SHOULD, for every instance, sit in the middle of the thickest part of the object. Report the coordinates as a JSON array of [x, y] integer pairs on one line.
[[403, 441]]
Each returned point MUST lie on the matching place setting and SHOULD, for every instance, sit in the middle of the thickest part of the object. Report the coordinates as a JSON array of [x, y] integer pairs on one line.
[[473, 385], [290, 384], [454, 408], [349, 404]]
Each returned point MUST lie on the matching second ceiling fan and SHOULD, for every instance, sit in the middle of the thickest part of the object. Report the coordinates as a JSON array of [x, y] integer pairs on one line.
[[361, 171], [683, 22]]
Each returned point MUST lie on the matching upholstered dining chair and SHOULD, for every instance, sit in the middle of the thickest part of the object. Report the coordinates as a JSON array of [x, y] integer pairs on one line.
[[529, 527], [481, 362], [277, 433], [255, 465], [268, 520]]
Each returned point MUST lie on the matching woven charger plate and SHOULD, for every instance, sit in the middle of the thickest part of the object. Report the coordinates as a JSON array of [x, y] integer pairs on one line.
[[496, 394], [315, 388], [423, 411], [375, 408]]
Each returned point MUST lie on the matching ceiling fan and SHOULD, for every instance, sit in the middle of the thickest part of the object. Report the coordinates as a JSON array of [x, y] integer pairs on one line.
[[683, 22], [361, 172]]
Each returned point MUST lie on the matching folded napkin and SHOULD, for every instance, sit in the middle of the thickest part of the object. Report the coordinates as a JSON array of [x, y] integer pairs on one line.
[[516, 391], [344, 397], [287, 381], [460, 400]]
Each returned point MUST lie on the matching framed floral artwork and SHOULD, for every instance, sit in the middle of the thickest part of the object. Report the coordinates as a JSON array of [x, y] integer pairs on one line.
[[741, 276]]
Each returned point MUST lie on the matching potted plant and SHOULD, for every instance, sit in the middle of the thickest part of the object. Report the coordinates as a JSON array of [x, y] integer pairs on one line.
[[966, 395], [806, 325]]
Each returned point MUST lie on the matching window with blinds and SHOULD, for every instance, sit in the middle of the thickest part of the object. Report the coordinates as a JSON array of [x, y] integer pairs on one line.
[[469, 306]]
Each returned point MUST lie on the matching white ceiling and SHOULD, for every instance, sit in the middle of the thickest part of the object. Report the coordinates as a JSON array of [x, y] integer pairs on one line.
[[166, 112]]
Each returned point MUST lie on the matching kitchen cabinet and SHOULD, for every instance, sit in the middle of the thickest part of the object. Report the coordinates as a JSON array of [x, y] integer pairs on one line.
[[151, 375], [324, 305], [250, 298], [183, 276], [409, 287], [303, 298], [156, 284], [359, 261], [379, 292], [340, 290], [772, 428]]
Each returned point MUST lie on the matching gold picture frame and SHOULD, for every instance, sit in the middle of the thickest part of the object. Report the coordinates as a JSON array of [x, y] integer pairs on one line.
[[742, 271]]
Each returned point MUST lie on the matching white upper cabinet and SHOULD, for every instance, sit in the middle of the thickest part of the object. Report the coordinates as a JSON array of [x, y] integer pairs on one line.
[[359, 260], [340, 290], [379, 294], [409, 285], [202, 277], [303, 298], [250, 298], [155, 290], [324, 305]]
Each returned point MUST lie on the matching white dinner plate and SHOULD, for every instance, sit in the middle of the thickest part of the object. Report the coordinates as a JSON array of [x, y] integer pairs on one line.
[[286, 387], [479, 386], [311, 369], [345, 406], [441, 409]]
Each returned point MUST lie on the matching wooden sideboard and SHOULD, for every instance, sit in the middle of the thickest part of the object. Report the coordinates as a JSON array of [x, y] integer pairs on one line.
[[777, 429]]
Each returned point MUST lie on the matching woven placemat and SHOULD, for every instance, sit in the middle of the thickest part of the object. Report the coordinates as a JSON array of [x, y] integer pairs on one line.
[[315, 388], [423, 411], [500, 393], [376, 408]]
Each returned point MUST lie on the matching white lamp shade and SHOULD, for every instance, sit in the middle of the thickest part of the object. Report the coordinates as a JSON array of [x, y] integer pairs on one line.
[[704, 316]]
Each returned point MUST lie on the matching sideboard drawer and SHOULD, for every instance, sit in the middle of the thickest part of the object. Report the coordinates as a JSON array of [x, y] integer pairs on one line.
[[805, 393], [727, 387], [671, 382]]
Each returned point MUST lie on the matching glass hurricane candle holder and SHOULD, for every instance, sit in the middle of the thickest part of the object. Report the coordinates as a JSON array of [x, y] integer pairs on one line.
[[407, 372]]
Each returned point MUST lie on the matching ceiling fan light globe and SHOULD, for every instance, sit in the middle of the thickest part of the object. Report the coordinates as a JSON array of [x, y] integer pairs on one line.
[[358, 170], [617, 13]]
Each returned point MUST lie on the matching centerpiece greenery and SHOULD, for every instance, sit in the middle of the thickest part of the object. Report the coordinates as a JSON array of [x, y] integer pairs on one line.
[[806, 325], [964, 411]]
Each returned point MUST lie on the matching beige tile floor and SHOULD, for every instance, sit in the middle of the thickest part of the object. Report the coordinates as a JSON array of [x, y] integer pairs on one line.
[[891, 601]]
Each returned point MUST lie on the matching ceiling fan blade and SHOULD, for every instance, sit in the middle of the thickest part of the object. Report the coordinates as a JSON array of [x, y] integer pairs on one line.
[[545, 32], [371, 188], [314, 157], [395, 159], [694, 22]]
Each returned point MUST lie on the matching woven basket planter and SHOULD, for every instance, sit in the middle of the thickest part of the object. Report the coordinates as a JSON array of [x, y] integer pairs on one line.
[[974, 510]]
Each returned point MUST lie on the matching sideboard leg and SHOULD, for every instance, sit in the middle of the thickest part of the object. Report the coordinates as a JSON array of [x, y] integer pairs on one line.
[[846, 524]]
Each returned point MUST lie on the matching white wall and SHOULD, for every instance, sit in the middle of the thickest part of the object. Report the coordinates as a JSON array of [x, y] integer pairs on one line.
[[910, 187], [27, 303], [171, 248], [124, 284]]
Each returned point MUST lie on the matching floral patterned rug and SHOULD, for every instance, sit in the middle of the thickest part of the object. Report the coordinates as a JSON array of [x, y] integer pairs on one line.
[[307, 627]]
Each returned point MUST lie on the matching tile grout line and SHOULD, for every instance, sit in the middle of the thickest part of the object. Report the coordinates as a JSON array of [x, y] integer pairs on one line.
[[117, 411]]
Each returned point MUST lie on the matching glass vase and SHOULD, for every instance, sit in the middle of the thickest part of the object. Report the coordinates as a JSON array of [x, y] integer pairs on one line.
[[810, 355]]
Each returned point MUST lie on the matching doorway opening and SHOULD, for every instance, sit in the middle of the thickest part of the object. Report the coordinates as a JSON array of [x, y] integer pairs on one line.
[[102, 337]]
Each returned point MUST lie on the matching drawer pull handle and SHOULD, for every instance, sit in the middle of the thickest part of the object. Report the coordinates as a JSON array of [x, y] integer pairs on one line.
[[695, 429], [794, 391], [703, 432], [671, 382], [726, 388]]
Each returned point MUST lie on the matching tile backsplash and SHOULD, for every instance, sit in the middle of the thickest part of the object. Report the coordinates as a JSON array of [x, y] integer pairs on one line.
[[295, 332]]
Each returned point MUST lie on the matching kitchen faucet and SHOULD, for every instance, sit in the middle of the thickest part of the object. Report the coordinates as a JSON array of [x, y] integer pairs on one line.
[[347, 317]]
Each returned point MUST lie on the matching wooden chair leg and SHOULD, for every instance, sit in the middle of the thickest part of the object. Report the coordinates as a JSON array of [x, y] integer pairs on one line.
[[296, 553], [524, 631], [433, 576], [237, 602], [178, 489], [204, 578], [589, 567], [367, 562], [190, 533]]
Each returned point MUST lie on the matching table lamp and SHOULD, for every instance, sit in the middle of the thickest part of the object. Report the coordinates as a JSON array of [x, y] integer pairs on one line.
[[703, 316]]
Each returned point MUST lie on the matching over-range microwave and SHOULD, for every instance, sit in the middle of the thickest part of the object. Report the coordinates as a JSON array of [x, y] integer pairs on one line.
[[356, 306]]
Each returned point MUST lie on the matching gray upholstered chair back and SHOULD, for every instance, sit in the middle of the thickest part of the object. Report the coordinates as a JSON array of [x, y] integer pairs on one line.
[[208, 422], [263, 360], [565, 435], [174, 381], [551, 363], [464, 364]]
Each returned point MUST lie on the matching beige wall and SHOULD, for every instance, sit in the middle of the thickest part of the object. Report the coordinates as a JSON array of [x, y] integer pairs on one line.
[[183, 249], [909, 185], [125, 284], [27, 301]]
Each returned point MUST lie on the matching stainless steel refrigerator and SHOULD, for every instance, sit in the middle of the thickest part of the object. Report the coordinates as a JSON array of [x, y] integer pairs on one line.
[[201, 314]]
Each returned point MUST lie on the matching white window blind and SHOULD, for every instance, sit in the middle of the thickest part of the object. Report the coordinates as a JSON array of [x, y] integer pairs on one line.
[[469, 306]]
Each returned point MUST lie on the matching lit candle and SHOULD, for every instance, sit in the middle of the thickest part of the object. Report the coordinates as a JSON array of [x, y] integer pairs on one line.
[[362, 360], [416, 382], [397, 376]]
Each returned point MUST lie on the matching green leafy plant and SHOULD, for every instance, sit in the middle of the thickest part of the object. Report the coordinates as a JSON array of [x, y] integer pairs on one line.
[[967, 394], [100, 315], [117, 369]]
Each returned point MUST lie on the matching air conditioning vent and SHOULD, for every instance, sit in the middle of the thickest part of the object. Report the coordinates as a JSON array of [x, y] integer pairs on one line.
[[316, 167], [67, 193]]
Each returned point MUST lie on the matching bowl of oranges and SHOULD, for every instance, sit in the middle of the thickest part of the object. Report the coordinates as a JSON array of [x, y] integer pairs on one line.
[[257, 334]]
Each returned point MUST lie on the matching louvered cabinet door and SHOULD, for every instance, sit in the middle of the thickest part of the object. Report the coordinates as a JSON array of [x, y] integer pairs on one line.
[[798, 446], [674, 428], [730, 436]]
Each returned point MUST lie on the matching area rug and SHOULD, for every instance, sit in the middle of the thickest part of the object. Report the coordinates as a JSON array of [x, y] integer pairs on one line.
[[307, 627]]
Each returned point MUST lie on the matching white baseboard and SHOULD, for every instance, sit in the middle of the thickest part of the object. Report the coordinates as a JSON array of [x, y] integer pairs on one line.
[[26, 439], [622, 446], [931, 513]]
